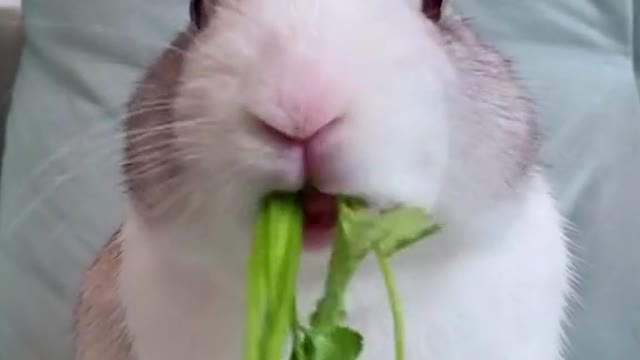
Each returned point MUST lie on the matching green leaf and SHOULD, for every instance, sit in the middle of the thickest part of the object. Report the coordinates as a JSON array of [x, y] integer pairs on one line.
[[399, 228], [273, 266], [350, 248], [331, 343], [355, 222]]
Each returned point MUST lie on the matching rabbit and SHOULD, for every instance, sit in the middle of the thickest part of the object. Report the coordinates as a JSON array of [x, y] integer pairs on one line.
[[393, 101]]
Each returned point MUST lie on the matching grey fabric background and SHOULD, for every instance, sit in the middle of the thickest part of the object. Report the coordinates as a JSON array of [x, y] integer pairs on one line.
[[59, 199]]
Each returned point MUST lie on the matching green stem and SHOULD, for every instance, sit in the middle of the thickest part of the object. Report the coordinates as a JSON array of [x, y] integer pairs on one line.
[[330, 310], [394, 303], [284, 261], [295, 333], [256, 293]]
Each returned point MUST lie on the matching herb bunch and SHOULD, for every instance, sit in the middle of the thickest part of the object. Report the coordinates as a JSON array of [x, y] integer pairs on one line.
[[271, 316]]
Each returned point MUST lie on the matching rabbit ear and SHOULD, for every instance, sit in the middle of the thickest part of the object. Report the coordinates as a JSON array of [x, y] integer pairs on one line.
[[432, 9]]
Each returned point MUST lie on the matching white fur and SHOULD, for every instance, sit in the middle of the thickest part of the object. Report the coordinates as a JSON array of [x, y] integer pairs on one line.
[[492, 286], [502, 299]]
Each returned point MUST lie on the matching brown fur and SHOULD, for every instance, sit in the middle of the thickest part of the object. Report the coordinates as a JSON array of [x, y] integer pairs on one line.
[[99, 316], [150, 152], [490, 83], [99, 327]]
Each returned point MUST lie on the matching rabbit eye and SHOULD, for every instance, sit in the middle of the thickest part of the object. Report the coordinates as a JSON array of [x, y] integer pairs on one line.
[[432, 9], [198, 13]]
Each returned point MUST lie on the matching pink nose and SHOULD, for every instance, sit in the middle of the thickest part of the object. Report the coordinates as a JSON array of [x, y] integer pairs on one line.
[[302, 132], [303, 98]]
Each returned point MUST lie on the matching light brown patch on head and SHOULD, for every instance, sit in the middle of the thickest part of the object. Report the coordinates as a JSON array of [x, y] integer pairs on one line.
[[504, 127], [152, 166]]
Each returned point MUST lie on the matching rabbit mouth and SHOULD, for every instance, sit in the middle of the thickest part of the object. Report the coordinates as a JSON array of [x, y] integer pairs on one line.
[[320, 218]]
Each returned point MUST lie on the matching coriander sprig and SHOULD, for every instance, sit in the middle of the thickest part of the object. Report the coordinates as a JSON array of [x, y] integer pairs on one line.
[[274, 263]]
